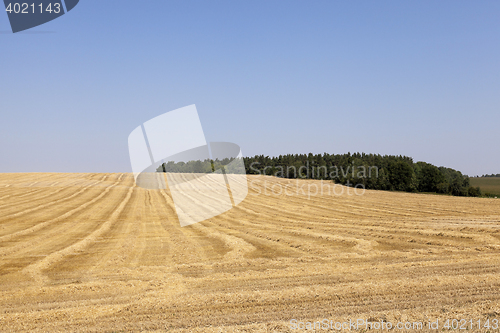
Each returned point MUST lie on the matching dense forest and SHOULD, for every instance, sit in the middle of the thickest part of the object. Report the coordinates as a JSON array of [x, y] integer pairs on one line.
[[492, 175], [393, 173]]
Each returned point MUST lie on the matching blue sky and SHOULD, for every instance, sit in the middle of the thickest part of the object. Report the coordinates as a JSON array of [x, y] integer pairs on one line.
[[416, 78]]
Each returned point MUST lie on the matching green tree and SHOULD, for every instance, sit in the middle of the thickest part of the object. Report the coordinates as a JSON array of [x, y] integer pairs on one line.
[[428, 177], [400, 175]]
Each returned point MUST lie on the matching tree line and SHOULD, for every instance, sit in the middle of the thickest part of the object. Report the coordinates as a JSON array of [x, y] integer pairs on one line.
[[202, 166], [370, 171]]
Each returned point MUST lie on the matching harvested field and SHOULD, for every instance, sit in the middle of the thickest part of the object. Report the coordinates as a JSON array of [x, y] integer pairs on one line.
[[92, 252]]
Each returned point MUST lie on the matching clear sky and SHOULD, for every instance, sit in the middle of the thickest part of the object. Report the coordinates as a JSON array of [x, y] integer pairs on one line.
[[416, 78]]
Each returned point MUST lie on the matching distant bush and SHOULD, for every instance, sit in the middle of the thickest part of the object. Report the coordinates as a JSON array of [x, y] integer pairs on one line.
[[474, 192]]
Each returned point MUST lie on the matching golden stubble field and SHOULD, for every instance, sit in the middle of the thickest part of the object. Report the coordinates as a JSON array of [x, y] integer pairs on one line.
[[93, 252]]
